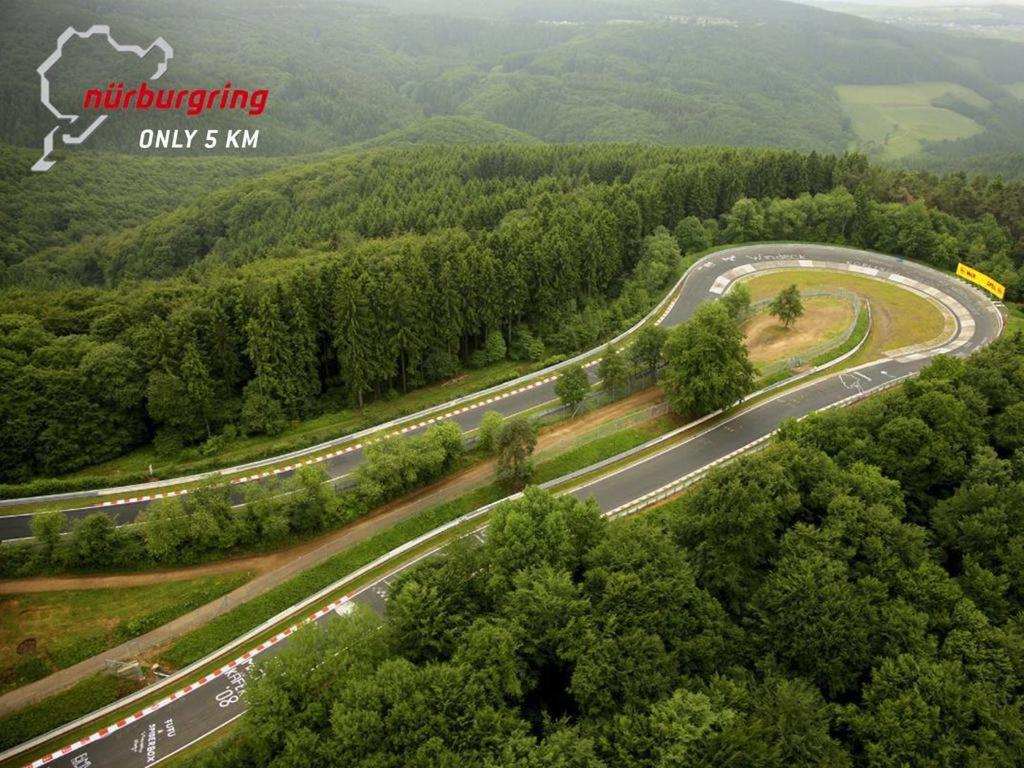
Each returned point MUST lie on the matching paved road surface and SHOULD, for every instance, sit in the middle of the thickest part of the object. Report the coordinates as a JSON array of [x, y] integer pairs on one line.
[[696, 288], [171, 725]]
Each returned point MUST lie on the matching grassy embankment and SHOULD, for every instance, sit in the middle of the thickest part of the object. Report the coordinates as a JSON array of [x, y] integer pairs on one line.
[[899, 318], [42, 632]]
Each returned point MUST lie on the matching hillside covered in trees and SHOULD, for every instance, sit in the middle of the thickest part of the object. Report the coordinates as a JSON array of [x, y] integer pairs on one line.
[[359, 276], [851, 597], [680, 72]]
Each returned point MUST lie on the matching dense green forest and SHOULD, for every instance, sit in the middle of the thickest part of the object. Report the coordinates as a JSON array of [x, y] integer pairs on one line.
[[852, 596], [368, 274], [98, 193], [738, 72], [94, 194]]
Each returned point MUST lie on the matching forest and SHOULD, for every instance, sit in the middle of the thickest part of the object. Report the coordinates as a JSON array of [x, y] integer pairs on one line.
[[366, 275], [762, 73], [852, 596]]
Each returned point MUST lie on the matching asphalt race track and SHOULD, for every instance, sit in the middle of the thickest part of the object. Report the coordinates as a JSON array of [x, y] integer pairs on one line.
[[706, 279], [198, 710]]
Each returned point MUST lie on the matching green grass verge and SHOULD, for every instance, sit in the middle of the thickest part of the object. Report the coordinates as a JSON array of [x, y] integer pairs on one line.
[[859, 331], [90, 694], [602, 448], [1014, 318], [900, 318], [69, 626]]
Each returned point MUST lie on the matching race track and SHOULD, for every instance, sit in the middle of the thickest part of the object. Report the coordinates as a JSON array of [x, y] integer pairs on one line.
[[706, 279], [201, 708]]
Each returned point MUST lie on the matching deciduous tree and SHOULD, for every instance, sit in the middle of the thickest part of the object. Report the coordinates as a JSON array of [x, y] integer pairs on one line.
[[516, 441], [572, 387], [787, 306], [706, 363]]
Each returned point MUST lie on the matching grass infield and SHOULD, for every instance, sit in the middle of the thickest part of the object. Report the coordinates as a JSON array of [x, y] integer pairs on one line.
[[899, 318]]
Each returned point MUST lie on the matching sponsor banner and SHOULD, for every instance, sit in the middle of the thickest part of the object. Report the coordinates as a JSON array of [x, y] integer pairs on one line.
[[981, 279]]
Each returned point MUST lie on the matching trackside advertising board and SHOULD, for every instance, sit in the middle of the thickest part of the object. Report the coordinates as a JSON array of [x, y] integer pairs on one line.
[[980, 278]]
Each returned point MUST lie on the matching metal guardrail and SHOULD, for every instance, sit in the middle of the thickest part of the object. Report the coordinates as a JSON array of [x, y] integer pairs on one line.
[[656, 314], [242, 640], [669, 490], [637, 505]]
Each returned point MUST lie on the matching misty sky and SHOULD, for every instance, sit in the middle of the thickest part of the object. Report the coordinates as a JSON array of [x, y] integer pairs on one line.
[[919, 3]]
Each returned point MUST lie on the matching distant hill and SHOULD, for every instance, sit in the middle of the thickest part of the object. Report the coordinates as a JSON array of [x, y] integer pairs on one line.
[[452, 129], [738, 72], [90, 193]]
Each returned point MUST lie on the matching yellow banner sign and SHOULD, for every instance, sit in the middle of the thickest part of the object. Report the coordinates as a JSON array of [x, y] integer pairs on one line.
[[980, 278]]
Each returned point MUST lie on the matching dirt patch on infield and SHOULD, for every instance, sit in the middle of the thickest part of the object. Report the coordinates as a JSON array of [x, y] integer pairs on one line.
[[824, 319], [899, 318]]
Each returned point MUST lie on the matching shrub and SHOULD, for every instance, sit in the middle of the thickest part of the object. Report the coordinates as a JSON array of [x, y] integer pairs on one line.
[[494, 347], [261, 415]]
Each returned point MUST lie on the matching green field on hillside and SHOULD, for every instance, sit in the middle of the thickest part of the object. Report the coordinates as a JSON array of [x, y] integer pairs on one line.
[[892, 121]]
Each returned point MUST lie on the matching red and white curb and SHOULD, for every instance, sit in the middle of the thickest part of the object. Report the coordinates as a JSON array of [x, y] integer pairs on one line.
[[344, 604], [357, 446], [339, 606]]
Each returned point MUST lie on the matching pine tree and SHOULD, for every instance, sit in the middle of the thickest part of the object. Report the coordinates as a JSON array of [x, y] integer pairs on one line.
[[352, 340], [198, 385]]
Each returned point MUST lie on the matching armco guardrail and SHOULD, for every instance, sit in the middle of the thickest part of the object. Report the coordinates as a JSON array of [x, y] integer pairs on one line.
[[645, 501], [300, 607], [669, 490], [655, 314]]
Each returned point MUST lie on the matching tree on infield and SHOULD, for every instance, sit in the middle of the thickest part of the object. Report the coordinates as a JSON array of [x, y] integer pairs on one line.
[[516, 442], [706, 363], [787, 306], [572, 387], [614, 371]]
